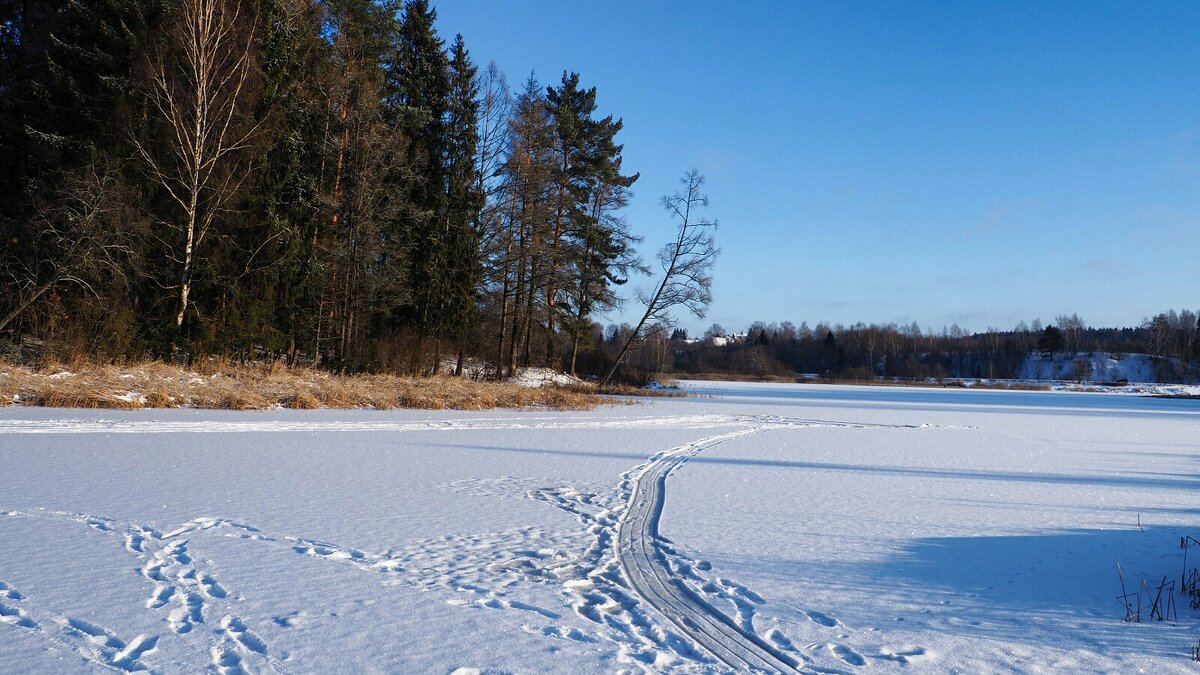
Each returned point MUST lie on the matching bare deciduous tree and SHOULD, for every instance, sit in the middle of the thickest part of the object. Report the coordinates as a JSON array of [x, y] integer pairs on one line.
[[687, 266], [198, 90], [79, 239], [1158, 334], [1072, 328]]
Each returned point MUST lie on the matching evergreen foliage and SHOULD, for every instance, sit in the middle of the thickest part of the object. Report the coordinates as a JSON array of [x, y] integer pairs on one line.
[[367, 199], [1052, 340]]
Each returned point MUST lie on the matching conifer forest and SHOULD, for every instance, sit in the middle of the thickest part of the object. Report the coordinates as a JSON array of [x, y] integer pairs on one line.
[[331, 182]]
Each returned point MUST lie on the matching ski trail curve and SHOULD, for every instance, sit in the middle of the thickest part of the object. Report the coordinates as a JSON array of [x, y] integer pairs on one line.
[[646, 567]]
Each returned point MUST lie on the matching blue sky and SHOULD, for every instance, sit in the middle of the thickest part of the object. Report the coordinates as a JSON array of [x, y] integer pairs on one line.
[[951, 162]]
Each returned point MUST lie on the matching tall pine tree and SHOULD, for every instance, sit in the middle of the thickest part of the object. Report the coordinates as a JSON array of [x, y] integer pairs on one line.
[[593, 246]]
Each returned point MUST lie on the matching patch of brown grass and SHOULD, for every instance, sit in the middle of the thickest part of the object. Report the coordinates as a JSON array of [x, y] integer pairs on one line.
[[221, 385], [625, 390], [302, 400], [157, 398], [736, 377], [246, 399]]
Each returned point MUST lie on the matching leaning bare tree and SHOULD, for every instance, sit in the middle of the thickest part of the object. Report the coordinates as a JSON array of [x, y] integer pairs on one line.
[[198, 92], [82, 238], [687, 266]]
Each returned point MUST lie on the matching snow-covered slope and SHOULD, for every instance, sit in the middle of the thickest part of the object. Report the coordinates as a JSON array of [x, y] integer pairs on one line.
[[1089, 367], [837, 529], [540, 377]]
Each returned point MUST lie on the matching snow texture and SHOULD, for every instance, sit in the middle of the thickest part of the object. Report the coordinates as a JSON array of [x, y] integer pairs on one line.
[[771, 527]]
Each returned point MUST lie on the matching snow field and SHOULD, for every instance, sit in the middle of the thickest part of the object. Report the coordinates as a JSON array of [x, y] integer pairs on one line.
[[839, 529], [986, 542]]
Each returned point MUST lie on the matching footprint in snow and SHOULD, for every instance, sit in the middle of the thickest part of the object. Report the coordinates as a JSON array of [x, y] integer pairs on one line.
[[236, 629], [846, 654], [559, 632], [16, 616], [823, 619], [94, 633], [9, 593], [290, 620], [906, 654], [780, 640]]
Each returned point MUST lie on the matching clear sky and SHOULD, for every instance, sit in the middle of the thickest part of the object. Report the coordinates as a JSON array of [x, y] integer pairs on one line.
[[976, 163]]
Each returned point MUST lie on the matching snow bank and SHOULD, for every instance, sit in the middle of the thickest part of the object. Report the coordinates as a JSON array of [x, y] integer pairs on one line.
[[540, 377]]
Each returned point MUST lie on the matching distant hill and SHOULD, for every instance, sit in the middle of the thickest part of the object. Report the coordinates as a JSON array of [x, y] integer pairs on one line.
[[1104, 367]]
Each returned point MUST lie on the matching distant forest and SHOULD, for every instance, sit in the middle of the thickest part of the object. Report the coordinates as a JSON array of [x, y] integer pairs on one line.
[[331, 183], [862, 352]]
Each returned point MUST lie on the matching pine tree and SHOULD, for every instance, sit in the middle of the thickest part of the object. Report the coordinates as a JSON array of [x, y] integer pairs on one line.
[[529, 173], [593, 243], [1052, 340], [570, 109], [360, 254], [1194, 347]]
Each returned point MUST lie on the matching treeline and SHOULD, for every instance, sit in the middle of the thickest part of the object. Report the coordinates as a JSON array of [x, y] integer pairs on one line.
[[865, 351], [326, 181]]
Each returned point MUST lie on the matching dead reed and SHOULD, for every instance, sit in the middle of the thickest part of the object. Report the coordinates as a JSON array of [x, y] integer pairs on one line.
[[227, 386]]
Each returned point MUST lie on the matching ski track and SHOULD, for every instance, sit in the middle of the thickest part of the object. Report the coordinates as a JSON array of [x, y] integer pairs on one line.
[[649, 572], [610, 573]]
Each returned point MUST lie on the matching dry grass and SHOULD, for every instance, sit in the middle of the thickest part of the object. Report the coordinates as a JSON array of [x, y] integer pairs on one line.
[[737, 377], [226, 386], [627, 390]]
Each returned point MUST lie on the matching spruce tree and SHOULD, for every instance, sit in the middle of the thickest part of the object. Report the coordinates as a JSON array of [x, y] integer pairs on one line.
[[465, 198], [275, 257], [418, 93]]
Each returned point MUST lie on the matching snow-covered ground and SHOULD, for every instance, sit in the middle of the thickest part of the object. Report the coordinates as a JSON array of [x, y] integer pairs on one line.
[[829, 529], [1094, 367]]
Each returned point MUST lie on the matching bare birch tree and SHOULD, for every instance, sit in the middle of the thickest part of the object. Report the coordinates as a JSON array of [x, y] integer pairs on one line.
[[1072, 328], [198, 93], [687, 266]]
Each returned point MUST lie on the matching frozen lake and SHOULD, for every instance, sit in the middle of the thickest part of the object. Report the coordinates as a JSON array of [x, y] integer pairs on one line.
[[812, 527]]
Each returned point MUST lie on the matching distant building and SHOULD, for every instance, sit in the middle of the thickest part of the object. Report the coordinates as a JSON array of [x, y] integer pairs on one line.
[[731, 339]]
